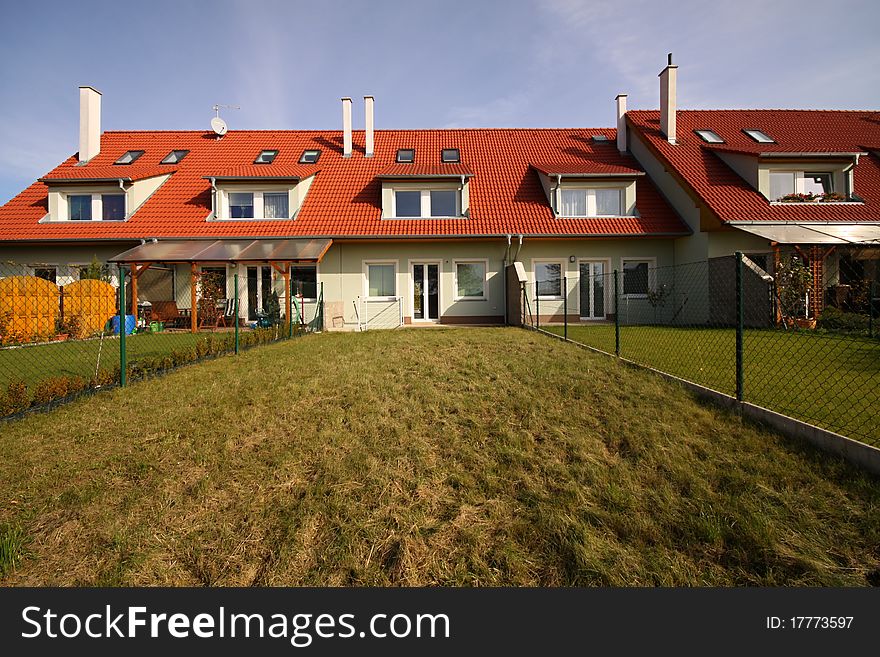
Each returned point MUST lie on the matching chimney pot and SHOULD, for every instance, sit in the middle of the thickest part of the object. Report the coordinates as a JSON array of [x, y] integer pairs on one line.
[[346, 127], [621, 122], [89, 123], [369, 136], [668, 78]]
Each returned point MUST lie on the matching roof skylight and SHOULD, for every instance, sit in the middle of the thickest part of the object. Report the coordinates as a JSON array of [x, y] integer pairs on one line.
[[174, 157], [450, 155], [129, 157], [600, 137], [709, 136], [759, 136], [266, 157], [406, 155], [310, 156]]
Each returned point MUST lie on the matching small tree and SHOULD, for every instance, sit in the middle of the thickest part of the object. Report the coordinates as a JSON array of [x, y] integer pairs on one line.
[[95, 271], [793, 281]]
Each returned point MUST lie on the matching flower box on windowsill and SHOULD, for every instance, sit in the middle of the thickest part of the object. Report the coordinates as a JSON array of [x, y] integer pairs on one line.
[[830, 197]]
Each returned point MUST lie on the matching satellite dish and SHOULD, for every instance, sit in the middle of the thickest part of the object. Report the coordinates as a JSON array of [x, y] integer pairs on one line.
[[218, 125]]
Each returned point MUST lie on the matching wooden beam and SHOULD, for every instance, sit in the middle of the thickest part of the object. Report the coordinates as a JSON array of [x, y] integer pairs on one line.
[[280, 270], [134, 293], [140, 270], [193, 280]]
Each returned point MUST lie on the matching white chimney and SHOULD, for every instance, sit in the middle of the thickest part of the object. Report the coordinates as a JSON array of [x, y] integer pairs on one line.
[[667, 100], [89, 123], [621, 122], [369, 136], [346, 127]]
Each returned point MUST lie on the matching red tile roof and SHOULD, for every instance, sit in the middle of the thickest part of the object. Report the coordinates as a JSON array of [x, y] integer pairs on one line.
[[111, 172], [591, 167], [449, 170], [506, 196], [729, 196], [263, 171]]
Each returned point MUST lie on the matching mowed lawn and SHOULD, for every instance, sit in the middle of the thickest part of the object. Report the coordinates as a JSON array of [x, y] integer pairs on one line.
[[33, 364], [828, 380], [422, 457]]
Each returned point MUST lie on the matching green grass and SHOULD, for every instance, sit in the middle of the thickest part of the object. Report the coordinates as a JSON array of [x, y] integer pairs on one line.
[[828, 380], [80, 357], [424, 457]]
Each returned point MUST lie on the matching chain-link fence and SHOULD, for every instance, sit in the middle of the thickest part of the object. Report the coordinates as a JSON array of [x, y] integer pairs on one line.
[[793, 331], [61, 332]]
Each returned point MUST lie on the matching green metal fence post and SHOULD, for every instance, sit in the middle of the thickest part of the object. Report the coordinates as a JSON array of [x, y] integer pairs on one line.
[[871, 300], [235, 279], [123, 365], [321, 307], [565, 307], [616, 314], [292, 306], [739, 325], [537, 307]]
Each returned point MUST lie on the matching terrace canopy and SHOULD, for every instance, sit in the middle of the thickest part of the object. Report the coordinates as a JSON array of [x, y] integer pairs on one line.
[[279, 253]]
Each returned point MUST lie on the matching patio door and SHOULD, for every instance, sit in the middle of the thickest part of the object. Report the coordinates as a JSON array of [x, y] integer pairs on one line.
[[426, 292], [259, 287], [592, 289]]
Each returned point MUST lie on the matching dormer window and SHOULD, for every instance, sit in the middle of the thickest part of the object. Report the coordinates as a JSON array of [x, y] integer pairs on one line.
[[79, 207], [174, 157], [426, 203], [266, 157], [241, 205], [709, 136], [599, 202], [406, 155], [129, 157], [270, 201], [450, 155], [86, 207], [785, 183], [759, 136], [310, 157]]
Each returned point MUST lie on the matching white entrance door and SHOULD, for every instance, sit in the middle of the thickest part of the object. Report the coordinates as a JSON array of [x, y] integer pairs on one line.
[[592, 289], [426, 291]]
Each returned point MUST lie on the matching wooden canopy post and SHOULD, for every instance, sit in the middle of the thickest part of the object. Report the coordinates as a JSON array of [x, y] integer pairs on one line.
[[193, 280], [135, 275], [776, 303]]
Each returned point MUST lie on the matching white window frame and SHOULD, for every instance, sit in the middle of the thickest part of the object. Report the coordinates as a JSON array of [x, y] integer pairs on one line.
[[799, 178], [591, 201], [652, 275], [97, 205], [366, 279], [470, 261], [607, 300], [259, 207], [425, 201], [562, 275], [410, 301]]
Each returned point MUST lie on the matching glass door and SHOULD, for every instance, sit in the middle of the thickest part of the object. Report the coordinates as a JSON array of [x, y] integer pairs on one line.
[[592, 289], [426, 291]]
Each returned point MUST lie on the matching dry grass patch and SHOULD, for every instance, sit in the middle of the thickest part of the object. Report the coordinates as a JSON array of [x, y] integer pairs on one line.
[[453, 457]]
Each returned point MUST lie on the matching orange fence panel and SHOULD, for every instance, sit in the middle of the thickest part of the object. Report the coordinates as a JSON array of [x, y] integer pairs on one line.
[[28, 308], [88, 304]]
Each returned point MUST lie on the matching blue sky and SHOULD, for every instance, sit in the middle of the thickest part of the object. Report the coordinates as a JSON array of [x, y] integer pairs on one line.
[[429, 63]]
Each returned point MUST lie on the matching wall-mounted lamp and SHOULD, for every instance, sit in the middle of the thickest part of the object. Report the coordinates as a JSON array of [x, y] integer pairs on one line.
[[571, 258]]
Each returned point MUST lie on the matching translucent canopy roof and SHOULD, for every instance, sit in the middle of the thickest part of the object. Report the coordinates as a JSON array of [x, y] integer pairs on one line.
[[277, 250], [814, 233]]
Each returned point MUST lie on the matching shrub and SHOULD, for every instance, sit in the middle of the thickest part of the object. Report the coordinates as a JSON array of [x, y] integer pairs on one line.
[[15, 399], [49, 389], [834, 319]]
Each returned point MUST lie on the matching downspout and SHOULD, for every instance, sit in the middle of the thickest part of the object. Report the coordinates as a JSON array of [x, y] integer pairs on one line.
[[461, 196], [516, 256], [554, 202], [122, 187], [214, 198], [504, 277]]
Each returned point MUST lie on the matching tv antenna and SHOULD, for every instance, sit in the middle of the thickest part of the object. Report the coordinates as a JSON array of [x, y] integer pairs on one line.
[[218, 125]]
